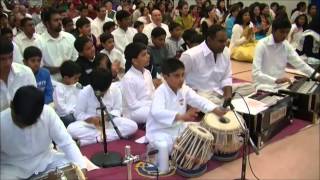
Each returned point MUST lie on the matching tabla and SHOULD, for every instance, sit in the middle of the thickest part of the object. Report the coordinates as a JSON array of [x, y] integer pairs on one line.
[[192, 150], [226, 131], [69, 171]]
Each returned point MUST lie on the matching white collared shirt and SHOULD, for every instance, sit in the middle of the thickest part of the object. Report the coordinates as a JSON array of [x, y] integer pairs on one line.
[[166, 104], [236, 38], [88, 103], [20, 75], [17, 56], [149, 27], [40, 28], [57, 50], [29, 150], [97, 26], [123, 38], [205, 73], [115, 55], [65, 98], [137, 89], [23, 41], [270, 61]]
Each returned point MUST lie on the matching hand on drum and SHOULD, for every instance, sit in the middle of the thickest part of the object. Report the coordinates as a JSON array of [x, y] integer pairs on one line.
[[220, 111], [190, 115], [283, 80]]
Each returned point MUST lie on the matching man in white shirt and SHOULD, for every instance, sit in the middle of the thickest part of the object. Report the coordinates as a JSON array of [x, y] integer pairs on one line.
[[169, 116], [272, 55], [156, 18], [123, 35], [87, 129], [56, 45], [27, 133], [208, 65], [28, 36], [17, 56], [12, 75], [98, 22]]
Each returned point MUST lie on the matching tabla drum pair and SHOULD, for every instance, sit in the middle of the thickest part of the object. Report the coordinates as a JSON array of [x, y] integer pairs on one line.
[[227, 134], [68, 171], [192, 150]]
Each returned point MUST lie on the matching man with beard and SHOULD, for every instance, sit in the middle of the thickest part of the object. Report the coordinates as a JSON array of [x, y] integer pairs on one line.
[[56, 45]]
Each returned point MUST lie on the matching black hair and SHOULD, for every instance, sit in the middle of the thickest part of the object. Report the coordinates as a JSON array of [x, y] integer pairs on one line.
[[81, 22], [254, 19], [83, 7], [98, 58], [49, 13], [299, 6], [6, 46], [234, 8], [274, 4], [105, 36], [281, 13], [5, 30], [66, 21], [31, 51], [25, 20], [304, 27], [207, 10], [141, 37], [239, 19], [132, 51], [240, 4], [212, 30], [157, 32], [108, 25], [70, 69], [262, 6], [101, 79], [315, 24], [120, 15], [218, 6], [280, 23], [80, 42], [171, 65], [137, 24], [27, 115], [174, 25]]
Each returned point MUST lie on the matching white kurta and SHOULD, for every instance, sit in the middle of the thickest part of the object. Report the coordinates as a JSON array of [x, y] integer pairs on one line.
[[17, 56], [97, 26], [123, 38], [87, 105], [20, 75], [65, 98], [115, 55], [271, 59], [23, 41], [295, 36], [137, 89], [57, 50], [236, 38], [203, 72], [29, 150], [161, 123]]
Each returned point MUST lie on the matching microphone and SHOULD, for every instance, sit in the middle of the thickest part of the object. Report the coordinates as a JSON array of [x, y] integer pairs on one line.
[[227, 102], [130, 158]]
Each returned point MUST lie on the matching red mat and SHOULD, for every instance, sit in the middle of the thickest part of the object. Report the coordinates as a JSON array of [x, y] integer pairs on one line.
[[119, 173]]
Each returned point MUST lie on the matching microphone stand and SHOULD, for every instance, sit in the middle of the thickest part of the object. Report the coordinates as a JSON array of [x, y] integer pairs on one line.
[[105, 159], [247, 139]]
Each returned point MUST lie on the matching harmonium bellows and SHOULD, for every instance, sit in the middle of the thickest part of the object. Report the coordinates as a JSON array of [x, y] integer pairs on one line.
[[306, 99], [266, 124]]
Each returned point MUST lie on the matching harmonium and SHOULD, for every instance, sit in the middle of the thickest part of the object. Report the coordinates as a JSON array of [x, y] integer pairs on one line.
[[267, 123], [306, 99]]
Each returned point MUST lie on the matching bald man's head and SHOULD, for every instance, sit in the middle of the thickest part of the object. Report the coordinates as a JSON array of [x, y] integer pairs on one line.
[[156, 17]]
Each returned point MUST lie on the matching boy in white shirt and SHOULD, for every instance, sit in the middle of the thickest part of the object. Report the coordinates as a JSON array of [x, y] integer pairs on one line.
[[87, 128], [65, 94], [137, 85], [168, 114], [26, 137]]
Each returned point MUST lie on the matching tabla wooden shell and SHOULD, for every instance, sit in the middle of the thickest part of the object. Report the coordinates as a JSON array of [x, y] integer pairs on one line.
[[226, 135], [193, 148], [70, 171]]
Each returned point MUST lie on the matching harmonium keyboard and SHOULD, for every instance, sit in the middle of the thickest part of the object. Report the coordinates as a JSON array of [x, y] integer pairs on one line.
[[306, 99], [266, 124]]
